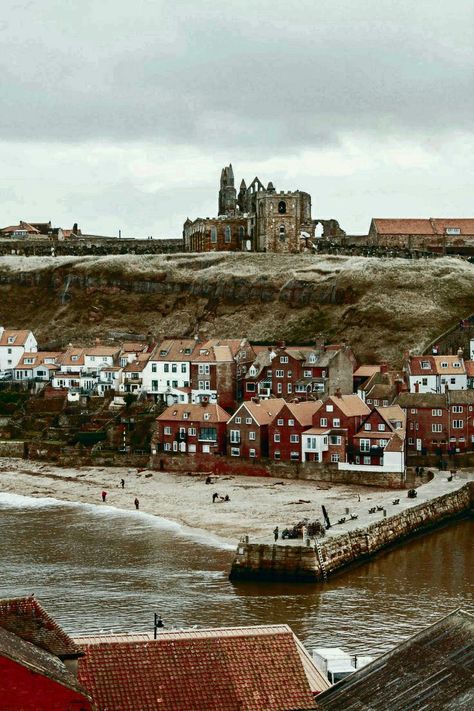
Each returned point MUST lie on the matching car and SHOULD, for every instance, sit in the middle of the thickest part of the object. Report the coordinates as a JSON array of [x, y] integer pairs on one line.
[[6, 375]]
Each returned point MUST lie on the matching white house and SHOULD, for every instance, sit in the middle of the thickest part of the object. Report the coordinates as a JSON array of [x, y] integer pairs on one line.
[[37, 366], [99, 357], [13, 345], [313, 443], [167, 373], [436, 373]]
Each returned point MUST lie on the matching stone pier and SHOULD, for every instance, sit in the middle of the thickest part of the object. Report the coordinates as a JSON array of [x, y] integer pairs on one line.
[[293, 561]]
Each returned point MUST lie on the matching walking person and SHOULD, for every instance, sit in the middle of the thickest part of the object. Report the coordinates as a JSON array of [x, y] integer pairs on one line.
[[275, 533], [104, 495], [122, 483], [137, 503], [214, 497]]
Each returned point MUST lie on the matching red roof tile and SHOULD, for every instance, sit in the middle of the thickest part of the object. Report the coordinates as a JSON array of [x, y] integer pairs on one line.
[[246, 671], [25, 617]]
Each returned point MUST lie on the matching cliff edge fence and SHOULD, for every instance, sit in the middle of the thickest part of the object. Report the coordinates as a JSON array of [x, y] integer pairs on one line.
[[327, 556]]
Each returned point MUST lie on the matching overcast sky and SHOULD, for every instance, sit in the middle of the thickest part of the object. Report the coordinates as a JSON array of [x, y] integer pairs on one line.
[[120, 114]]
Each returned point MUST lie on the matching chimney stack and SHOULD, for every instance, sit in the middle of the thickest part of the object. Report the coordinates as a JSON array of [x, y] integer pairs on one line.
[[384, 367], [338, 392]]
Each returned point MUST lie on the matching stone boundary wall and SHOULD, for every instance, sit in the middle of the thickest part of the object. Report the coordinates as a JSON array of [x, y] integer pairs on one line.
[[220, 465], [306, 564], [11, 448], [90, 246]]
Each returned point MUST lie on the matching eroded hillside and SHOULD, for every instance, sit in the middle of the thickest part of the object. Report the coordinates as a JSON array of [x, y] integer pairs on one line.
[[381, 307]]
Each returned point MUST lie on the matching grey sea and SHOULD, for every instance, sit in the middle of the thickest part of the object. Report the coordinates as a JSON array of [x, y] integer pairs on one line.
[[99, 568]]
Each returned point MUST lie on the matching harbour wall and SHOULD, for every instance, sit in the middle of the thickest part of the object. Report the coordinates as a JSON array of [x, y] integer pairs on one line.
[[315, 563]]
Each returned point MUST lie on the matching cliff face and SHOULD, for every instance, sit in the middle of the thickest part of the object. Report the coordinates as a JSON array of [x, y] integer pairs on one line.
[[381, 307]]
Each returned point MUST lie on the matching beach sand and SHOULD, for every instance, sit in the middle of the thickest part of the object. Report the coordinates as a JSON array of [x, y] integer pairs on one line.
[[256, 506]]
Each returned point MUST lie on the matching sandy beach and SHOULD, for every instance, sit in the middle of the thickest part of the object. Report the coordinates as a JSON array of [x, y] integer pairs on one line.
[[256, 505]]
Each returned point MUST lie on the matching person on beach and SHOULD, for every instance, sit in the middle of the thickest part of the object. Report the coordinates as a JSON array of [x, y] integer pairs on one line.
[[104, 495], [122, 483], [275, 533], [137, 503], [214, 497]]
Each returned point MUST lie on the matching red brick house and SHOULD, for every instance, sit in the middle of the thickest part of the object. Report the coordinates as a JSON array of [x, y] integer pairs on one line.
[[37, 661], [286, 429], [306, 372], [334, 426], [262, 668], [369, 444], [192, 429], [247, 429], [217, 369]]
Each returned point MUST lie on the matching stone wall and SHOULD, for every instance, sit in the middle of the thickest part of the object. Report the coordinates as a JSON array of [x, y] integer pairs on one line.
[[311, 471], [11, 448], [308, 564], [90, 246]]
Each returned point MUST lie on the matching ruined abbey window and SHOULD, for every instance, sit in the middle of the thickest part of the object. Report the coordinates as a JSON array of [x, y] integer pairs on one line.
[[282, 207], [213, 235], [282, 232], [227, 234], [241, 232]]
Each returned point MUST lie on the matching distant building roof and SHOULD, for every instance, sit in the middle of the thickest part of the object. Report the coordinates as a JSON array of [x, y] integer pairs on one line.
[[365, 371], [26, 618], [196, 413], [431, 670], [423, 226], [420, 400], [20, 337], [236, 669], [351, 405], [262, 411]]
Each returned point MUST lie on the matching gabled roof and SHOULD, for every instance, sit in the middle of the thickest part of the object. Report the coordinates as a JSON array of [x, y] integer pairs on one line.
[[38, 661], [23, 226], [20, 337], [303, 411], [67, 357], [102, 351], [430, 670], [263, 411], [240, 669], [194, 413], [26, 618], [393, 414], [350, 405], [365, 371], [38, 358], [461, 397], [174, 350]]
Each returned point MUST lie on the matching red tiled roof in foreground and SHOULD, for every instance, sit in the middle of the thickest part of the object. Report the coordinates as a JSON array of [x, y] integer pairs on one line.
[[25, 617], [248, 669]]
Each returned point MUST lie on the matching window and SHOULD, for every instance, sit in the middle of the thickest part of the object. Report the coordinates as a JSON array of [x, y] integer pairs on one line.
[[192, 431], [425, 364], [248, 420], [458, 424], [213, 235], [291, 423], [281, 207], [238, 420], [367, 460], [241, 232], [335, 457], [383, 442], [413, 411], [252, 453], [381, 428], [250, 387], [166, 367], [365, 445], [280, 422], [411, 441], [329, 408], [207, 415], [185, 415], [183, 367], [154, 367], [167, 430], [436, 413], [457, 409], [234, 452], [252, 436], [279, 373], [235, 436], [204, 369], [452, 381], [437, 427], [294, 438], [276, 437], [335, 439], [367, 426], [376, 402], [307, 373], [167, 447], [279, 388], [456, 364], [294, 455], [208, 434], [227, 234], [283, 359], [289, 388], [323, 422], [276, 454], [336, 422], [444, 364]]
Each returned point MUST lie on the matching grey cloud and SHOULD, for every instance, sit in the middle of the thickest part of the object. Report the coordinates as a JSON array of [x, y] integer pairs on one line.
[[252, 75]]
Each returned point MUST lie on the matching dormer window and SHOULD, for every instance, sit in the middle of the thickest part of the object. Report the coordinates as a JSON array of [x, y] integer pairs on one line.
[[11, 339], [367, 426], [456, 364], [312, 358], [185, 415], [381, 428], [74, 357], [163, 353], [207, 415], [187, 351], [203, 351], [444, 364], [425, 364]]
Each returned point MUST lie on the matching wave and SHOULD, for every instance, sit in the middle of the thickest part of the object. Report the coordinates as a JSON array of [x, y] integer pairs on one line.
[[205, 538]]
